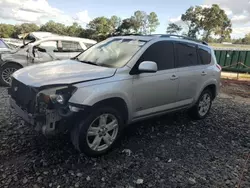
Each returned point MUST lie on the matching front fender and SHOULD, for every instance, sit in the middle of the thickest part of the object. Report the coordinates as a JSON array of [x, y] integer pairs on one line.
[[91, 95]]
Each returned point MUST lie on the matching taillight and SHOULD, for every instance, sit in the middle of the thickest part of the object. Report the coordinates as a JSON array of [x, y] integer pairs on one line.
[[218, 66]]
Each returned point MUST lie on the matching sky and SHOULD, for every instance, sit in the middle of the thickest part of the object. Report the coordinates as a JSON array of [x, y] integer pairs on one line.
[[82, 11]]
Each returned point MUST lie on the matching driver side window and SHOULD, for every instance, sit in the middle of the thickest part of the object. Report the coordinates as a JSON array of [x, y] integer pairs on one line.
[[162, 53]]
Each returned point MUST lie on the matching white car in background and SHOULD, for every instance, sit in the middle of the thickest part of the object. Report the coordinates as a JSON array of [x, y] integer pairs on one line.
[[27, 38], [44, 50]]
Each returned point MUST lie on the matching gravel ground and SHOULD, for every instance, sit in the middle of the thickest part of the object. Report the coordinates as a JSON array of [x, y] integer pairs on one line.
[[171, 151]]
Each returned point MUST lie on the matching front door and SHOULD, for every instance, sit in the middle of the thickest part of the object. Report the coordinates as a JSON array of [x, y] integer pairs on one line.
[[46, 51], [155, 92]]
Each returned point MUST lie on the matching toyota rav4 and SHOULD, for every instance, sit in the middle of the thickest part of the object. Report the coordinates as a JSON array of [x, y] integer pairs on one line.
[[114, 83]]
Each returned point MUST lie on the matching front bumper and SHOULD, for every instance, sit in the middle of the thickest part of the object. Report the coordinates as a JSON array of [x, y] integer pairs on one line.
[[22, 113]]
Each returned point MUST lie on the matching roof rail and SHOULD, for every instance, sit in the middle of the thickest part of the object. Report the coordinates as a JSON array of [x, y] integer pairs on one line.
[[184, 37], [131, 34]]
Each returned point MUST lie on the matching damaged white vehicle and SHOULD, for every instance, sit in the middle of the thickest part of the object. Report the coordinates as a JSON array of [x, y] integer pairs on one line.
[[114, 83], [40, 51]]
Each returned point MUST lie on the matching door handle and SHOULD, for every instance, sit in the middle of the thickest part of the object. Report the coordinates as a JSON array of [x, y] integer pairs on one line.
[[174, 77], [203, 73]]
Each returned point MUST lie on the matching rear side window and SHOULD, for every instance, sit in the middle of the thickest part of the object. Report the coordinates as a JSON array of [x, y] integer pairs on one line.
[[204, 55], [160, 52], [70, 46], [187, 55]]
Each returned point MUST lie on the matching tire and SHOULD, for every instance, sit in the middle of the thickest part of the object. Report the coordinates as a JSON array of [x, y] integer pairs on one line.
[[7, 70], [196, 112], [80, 133]]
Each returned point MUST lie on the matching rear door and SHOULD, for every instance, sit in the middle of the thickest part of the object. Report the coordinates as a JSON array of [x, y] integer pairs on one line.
[[189, 71]]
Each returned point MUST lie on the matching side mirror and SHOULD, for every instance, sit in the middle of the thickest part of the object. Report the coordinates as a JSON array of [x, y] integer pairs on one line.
[[148, 67]]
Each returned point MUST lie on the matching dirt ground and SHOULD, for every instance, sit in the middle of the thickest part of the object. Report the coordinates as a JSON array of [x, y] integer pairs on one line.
[[171, 151]]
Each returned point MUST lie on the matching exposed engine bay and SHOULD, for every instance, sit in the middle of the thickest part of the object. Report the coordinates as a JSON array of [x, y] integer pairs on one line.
[[44, 108]]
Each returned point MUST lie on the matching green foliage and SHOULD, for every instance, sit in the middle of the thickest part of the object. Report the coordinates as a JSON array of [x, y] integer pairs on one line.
[[214, 20], [26, 28], [153, 22], [6, 30], [54, 27], [115, 22], [208, 20], [173, 28], [128, 25], [192, 19], [74, 30]]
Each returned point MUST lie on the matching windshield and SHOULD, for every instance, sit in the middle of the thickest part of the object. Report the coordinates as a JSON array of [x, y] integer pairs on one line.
[[113, 53]]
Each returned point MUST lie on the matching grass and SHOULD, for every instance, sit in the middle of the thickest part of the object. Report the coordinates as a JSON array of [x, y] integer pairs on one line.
[[233, 46]]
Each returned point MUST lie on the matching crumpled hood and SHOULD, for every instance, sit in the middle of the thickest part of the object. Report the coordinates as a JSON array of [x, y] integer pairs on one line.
[[61, 72]]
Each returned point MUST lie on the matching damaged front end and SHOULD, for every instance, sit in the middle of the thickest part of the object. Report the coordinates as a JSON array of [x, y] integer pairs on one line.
[[46, 108]]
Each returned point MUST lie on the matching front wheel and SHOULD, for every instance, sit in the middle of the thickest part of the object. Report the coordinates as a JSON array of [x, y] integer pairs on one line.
[[203, 105], [98, 132], [5, 73]]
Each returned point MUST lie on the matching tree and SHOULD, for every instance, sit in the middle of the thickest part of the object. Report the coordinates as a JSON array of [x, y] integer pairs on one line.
[[224, 30], [115, 22], [74, 30], [192, 19], [88, 33], [214, 18], [54, 27], [6, 30], [101, 25], [153, 22], [246, 39], [25, 28], [139, 20], [129, 25], [173, 28]]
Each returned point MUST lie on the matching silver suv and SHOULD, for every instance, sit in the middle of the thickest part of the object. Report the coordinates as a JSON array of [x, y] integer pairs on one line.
[[114, 83]]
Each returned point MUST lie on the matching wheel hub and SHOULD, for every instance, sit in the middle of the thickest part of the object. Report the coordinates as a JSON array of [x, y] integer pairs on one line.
[[6, 74], [102, 132], [204, 104]]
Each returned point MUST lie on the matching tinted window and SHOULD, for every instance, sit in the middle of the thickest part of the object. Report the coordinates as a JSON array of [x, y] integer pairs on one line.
[[162, 53], [204, 54], [187, 55], [70, 46]]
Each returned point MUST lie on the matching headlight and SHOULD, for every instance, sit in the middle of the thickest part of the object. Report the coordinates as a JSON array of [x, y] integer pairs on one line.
[[60, 99], [57, 99], [58, 96]]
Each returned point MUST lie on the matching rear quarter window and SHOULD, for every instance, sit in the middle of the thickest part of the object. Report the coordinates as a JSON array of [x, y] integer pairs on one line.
[[204, 55]]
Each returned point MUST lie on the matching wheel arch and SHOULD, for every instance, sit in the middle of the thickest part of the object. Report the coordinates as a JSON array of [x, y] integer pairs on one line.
[[116, 102], [212, 87], [12, 62]]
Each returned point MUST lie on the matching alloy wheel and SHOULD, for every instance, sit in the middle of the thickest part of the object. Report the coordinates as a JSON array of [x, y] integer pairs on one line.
[[204, 104], [6, 74], [102, 132]]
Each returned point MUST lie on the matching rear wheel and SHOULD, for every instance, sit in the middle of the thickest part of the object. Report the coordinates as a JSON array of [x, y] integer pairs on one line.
[[203, 105], [98, 132], [6, 71]]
